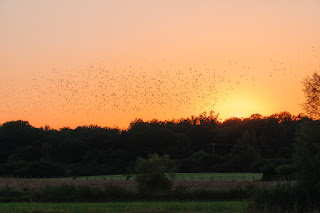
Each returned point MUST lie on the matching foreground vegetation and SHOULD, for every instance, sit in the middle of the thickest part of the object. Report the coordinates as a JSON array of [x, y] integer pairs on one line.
[[304, 195], [284, 199], [71, 193], [128, 207], [288, 197]]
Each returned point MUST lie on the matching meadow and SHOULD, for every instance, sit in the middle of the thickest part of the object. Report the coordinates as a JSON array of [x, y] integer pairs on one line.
[[128, 207], [193, 181]]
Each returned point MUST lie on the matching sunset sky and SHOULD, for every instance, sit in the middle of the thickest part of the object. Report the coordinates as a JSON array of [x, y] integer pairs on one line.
[[76, 62]]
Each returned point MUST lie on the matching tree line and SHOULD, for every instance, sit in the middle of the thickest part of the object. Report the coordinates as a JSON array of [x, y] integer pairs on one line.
[[199, 144]]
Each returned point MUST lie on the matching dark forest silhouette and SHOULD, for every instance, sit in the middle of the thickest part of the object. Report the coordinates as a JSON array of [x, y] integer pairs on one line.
[[250, 144]]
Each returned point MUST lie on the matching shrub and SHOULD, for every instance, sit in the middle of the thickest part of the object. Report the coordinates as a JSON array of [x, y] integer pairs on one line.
[[151, 173], [13, 168], [286, 172], [269, 173], [40, 169], [191, 165]]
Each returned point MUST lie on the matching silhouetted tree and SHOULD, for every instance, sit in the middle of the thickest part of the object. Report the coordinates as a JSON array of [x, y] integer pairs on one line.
[[240, 144], [312, 95], [307, 155]]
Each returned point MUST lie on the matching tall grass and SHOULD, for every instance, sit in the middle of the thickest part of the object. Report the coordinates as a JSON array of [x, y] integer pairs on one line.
[[284, 199], [72, 193]]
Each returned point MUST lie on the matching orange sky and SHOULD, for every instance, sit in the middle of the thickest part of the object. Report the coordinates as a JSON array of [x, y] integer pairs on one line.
[[70, 63]]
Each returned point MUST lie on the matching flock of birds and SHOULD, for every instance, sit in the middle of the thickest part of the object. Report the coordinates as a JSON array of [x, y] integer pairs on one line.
[[97, 90]]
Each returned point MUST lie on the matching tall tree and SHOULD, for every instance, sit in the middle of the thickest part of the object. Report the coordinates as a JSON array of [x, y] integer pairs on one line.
[[312, 94], [307, 154]]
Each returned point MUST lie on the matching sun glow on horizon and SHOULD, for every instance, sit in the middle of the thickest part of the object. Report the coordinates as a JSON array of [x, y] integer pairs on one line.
[[242, 104]]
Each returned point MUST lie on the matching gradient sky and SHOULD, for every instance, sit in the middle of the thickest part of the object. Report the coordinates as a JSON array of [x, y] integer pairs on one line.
[[70, 63]]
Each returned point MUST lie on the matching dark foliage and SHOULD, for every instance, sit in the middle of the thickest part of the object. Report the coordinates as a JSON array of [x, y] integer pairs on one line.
[[284, 198], [40, 169], [269, 173], [304, 195], [71, 193], [307, 155], [240, 145], [151, 173]]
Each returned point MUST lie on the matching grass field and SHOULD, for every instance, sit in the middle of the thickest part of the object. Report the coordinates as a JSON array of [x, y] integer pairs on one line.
[[191, 176], [127, 207], [220, 176]]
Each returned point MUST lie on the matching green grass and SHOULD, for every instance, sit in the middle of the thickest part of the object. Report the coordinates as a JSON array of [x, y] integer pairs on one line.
[[220, 176], [128, 207], [190, 176]]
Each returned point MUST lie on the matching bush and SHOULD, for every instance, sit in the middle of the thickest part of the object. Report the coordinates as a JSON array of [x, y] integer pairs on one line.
[[2, 170], [13, 168], [151, 173], [40, 169], [286, 172], [191, 165], [269, 173]]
